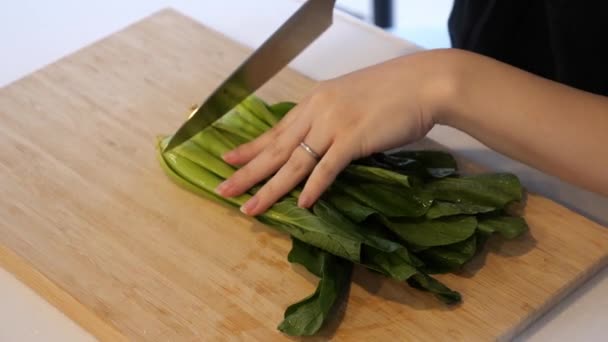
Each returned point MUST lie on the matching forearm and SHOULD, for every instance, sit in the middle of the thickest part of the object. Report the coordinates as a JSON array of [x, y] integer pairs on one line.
[[555, 128]]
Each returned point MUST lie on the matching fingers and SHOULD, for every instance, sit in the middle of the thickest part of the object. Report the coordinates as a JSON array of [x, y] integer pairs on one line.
[[246, 152], [295, 170], [325, 172], [278, 151], [265, 163], [299, 165]]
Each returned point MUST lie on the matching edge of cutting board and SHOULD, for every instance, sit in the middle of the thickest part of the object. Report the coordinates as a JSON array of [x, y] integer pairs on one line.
[[105, 331], [26, 273], [58, 297], [567, 289]]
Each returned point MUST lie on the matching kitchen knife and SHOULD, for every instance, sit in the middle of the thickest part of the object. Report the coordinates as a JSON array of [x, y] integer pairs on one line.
[[301, 29]]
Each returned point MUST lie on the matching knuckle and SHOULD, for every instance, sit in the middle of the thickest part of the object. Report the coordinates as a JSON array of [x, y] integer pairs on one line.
[[325, 169], [268, 190], [323, 93], [277, 130], [315, 186], [244, 149], [350, 125], [241, 174], [275, 150], [272, 191], [295, 165]]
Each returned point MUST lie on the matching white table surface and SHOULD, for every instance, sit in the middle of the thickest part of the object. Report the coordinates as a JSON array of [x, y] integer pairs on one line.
[[35, 33]]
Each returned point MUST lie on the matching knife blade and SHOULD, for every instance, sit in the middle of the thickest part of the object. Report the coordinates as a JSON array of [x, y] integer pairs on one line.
[[301, 29]]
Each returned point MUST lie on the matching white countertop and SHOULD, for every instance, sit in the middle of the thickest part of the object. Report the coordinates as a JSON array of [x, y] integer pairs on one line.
[[35, 33]]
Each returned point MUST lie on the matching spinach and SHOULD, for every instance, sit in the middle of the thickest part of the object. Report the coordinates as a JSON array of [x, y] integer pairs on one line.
[[375, 175], [307, 316], [493, 190], [397, 265], [260, 110], [404, 214], [279, 109], [194, 153], [422, 164], [439, 232], [425, 282], [389, 200], [354, 210], [442, 208], [448, 258], [508, 226], [312, 229]]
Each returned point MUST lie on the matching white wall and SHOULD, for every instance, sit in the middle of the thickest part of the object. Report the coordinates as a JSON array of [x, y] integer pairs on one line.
[[423, 22]]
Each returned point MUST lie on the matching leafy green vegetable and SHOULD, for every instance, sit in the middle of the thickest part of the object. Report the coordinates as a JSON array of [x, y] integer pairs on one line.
[[307, 316], [216, 142], [331, 216], [508, 226], [427, 283], [389, 200], [441, 209], [312, 229], [405, 214], [438, 164], [260, 110], [396, 265], [299, 222], [354, 210], [376, 175], [450, 257], [439, 232], [181, 181], [280, 109], [241, 123], [308, 256], [421, 164], [495, 190], [194, 153]]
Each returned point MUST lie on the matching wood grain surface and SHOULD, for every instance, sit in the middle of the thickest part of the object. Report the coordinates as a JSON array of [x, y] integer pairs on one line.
[[90, 221]]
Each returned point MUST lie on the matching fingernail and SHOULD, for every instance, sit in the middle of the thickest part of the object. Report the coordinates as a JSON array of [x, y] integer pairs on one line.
[[229, 156], [303, 201], [249, 206], [223, 188]]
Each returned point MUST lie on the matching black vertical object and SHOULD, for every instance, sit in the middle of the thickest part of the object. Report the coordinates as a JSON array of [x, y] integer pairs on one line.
[[383, 13]]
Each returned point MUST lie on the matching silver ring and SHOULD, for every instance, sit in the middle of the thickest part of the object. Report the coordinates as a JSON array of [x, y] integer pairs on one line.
[[310, 151]]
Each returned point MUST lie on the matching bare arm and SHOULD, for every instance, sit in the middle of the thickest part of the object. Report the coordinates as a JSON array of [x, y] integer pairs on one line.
[[552, 127], [555, 128]]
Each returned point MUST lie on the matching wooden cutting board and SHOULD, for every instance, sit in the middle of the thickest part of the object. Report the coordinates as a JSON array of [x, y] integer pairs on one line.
[[89, 220]]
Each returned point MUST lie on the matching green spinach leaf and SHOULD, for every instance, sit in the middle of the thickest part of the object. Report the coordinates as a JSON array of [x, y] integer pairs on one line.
[[260, 110], [493, 190], [442, 231], [450, 257], [397, 265], [354, 210], [376, 175], [307, 316], [422, 164], [390, 201], [427, 283], [442, 208], [509, 227], [309, 256], [280, 109]]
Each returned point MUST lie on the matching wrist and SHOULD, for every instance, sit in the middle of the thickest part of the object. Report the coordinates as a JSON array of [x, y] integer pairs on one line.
[[444, 90]]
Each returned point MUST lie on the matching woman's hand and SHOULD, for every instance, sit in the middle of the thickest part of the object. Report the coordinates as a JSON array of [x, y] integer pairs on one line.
[[550, 126], [368, 111]]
